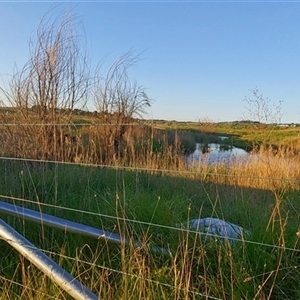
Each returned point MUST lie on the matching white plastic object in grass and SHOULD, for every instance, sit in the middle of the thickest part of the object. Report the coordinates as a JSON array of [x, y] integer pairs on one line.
[[219, 228]]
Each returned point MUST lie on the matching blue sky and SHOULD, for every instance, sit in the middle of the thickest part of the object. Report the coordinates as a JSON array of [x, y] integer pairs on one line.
[[200, 58]]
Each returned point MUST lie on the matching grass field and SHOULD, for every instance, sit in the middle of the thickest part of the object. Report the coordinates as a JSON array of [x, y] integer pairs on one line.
[[112, 170], [148, 208], [149, 198]]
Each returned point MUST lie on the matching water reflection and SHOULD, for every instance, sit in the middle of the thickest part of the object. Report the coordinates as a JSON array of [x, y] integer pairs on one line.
[[216, 153]]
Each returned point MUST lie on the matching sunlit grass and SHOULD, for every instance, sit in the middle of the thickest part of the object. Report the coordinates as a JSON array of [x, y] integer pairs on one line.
[[146, 196], [147, 207]]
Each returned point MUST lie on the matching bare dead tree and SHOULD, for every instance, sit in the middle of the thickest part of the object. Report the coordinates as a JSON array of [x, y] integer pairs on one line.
[[263, 110], [52, 83], [118, 100]]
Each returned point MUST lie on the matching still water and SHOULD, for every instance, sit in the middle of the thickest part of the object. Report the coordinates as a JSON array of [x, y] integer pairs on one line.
[[216, 153]]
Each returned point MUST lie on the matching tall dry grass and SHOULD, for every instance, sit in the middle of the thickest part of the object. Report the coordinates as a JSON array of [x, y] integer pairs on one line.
[[262, 169], [196, 268], [146, 208], [146, 147]]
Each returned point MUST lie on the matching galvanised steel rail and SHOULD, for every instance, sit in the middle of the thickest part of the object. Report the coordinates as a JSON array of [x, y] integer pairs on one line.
[[56, 273], [66, 225]]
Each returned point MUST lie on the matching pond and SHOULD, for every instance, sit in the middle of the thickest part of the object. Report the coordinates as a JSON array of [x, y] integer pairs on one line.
[[216, 153]]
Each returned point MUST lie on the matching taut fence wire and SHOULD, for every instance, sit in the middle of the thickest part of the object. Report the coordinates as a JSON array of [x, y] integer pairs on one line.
[[153, 170], [64, 209], [148, 224]]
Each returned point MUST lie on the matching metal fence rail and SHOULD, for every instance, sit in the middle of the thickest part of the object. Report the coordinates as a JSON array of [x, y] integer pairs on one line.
[[66, 225], [57, 274]]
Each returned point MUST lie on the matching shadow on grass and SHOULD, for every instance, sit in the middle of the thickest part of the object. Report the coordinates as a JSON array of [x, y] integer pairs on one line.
[[148, 208]]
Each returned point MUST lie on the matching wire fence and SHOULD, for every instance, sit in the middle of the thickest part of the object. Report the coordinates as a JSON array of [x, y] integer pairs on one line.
[[65, 209], [148, 224]]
